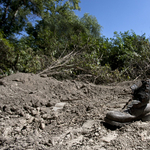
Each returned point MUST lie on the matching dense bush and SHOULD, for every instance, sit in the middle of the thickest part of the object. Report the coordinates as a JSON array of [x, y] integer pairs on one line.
[[129, 54], [7, 56], [63, 45]]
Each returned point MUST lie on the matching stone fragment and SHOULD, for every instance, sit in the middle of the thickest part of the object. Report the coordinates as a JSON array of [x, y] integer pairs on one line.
[[42, 125], [109, 137], [7, 131], [2, 140], [78, 140], [59, 106], [34, 112], [47, 116], [43, 75], [88, 124]]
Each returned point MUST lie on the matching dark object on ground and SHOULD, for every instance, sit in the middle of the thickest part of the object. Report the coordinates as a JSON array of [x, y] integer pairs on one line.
[[136, 109]]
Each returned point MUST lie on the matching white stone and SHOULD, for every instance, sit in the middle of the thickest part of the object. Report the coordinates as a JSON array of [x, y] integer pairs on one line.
[[109, 137], [88, 124], [59, 106]]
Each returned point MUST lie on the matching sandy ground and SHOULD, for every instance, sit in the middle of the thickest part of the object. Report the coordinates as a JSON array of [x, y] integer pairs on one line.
[[41, 113]]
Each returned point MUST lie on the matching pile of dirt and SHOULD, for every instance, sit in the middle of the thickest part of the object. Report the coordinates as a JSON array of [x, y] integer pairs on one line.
[[41, 113]]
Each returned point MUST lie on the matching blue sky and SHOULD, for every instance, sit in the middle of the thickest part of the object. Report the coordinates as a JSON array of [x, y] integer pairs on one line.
[[119, 15]]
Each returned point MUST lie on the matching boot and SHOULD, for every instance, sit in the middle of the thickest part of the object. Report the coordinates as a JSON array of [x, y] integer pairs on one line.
[[136, 109]]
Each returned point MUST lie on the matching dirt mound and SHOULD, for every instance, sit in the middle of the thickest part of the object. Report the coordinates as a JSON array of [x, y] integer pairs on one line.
[[41, 113]]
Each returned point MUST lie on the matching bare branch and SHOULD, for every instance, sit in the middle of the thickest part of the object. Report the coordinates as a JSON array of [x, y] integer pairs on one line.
[[60, 63]]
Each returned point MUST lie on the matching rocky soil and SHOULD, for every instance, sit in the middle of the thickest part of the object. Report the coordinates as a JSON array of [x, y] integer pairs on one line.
[[41, 113]]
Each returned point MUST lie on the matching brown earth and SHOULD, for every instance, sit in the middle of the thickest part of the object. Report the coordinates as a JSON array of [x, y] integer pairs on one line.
[[42, 113]]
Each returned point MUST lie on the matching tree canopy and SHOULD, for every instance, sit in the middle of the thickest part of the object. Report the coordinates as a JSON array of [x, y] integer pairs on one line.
[[15, 14], [61, 44]]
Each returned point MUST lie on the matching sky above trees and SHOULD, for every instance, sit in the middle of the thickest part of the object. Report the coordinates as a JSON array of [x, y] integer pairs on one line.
[[119, 15]]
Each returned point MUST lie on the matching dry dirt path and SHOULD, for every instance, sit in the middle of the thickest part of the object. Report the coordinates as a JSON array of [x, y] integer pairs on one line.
[[41, 113]]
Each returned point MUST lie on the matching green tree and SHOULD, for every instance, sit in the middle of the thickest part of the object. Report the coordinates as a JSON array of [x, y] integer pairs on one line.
[[56, 30], [91, 25], [125, 47], [7, 56], [15, 14]]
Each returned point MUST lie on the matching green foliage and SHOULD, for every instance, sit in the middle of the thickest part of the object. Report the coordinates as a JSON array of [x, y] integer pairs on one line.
[[26, 60], [126, 56], [91, 25], [125, 47], [6, 55], [70, 46], [15, 14], [61, 31], [18, 57]]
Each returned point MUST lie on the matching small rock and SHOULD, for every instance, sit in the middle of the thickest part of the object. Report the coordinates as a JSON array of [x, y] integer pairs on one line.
[[28, 116], [109, 137], [47, 116], [96, 134], [7, 131], [22, 121], [36, 104], [38, 109], [76, 141], [34, 112], [43, 75], [2, 140], [42, 125], [88, 124], [48, 104], [3, 83], [18, 129], [6, 109], [59, 106], [91, 140]]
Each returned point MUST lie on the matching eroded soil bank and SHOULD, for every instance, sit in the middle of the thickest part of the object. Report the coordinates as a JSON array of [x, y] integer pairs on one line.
[[41, 113]]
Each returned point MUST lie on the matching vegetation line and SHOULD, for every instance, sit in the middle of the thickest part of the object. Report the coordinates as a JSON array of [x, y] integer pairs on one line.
[[62, 45]]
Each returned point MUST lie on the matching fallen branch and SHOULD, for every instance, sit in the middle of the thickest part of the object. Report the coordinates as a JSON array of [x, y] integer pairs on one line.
[[60, 63]]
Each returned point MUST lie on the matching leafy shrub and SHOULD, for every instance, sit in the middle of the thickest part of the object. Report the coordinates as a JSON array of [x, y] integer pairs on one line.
[[27, 60], [7, 56]]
